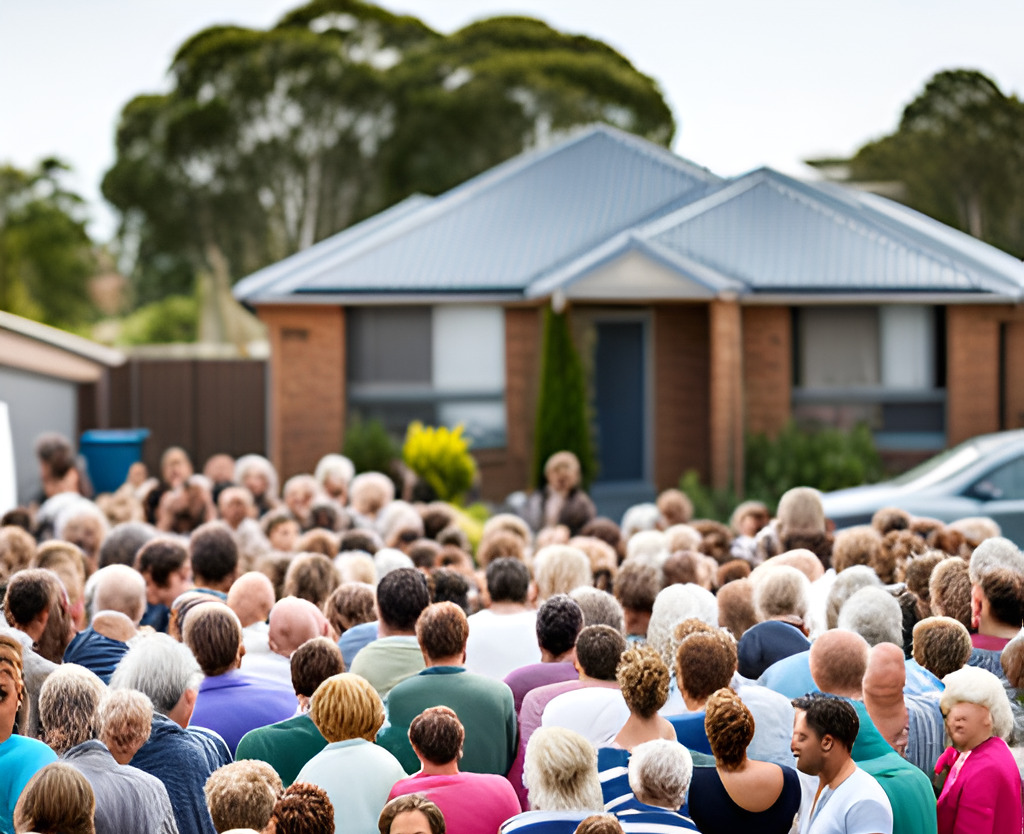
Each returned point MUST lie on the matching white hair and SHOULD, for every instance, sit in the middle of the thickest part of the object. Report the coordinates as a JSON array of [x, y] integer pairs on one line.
[[974, 685], [338, 467], [258, 462], [398, 515], [682, 537], [83, 508], [648, 544], [993, 554], [875, 615], [599, 608], [780, 590], [159, 667], [560, 771], [673, 605], [639, 517], [660, 773], [356, 566], [388, 559], [846, 584]]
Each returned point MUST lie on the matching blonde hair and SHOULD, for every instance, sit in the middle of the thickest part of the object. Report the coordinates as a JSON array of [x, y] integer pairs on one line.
[[346, 706], [558, 568], [974, 685], [124, 720], [68, 702], [560, 771], [57, 800]]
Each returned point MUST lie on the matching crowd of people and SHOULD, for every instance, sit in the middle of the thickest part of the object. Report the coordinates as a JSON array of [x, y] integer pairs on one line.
[[201, 653]]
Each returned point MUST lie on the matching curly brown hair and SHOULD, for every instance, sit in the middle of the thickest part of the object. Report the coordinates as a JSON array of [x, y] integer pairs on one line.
[[729, 727], [705, 663], [303, 808], [898, 547], [941, 645], [643, 678], [855, 546]]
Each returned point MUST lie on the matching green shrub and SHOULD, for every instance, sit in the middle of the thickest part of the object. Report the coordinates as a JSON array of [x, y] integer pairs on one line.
[[562, 423], [172, 319], [826, 459], [369, 446], [440, 457]]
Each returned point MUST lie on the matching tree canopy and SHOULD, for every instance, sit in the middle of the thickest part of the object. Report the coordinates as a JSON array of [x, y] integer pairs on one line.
[[271, 140], [46, 256], [959, 154]]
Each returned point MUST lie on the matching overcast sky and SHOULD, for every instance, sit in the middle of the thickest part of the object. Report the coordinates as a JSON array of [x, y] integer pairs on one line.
[[750, 82]]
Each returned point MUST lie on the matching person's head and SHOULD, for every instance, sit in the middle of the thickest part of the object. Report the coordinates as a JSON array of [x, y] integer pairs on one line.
[[303, 808], [17, 550], [57, 800], [675, 507], [824, 729], [334, 473], [299, 493], [402, 595], [411, 814], [875, 615], [56, 458], [35, 602], [164, 565], [311, 576], [643, 678], [442, 630], [162, 669], [673, 605], [370, 492], [941, 645], [660, 772], [558, 568], [1001, 597], [800, 512], [12, 685], [175, 466], [281, 529], [780, 591], [293, 621], [508, 580], [993, 553], [251, 597], [235, 504], [636, 586], [748, 518], [214, 635], [242, 794], [318, 540], [560, 771], [845, 586], [559, 621], [500, 544], [124, 721], [256, 474], [730, 728], [84, 525], [351, 604], [562, 471], [313, 662], [345, 707], [884, 680], [838, 661], [598, 651], [949, 589], [856, 546], [214, 555], [736, 607], [437, 735], [975, 706], [599, 824], [68, 703], [689, 566], [599, 607], [119, 588], [705, 663]]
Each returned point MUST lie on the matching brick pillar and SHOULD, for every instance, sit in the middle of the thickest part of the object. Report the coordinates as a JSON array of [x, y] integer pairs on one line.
[[972, 372], [306, 408], [767, 368], [726, 412]]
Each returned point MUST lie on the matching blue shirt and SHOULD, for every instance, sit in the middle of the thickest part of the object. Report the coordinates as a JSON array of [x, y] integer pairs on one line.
[[20, 759], [96, 652], [354, 639], [234, 703]]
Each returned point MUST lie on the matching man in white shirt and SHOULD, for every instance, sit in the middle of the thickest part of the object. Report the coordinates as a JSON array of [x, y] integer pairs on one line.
[[503, 637], [848, 800]]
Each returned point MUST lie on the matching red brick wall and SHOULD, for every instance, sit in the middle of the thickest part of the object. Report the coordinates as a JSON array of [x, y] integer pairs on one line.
[[726, 394], [767, 368], [307, 384], [681, 392]]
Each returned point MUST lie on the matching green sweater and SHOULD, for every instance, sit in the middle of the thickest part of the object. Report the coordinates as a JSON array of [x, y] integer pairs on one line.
[[286, 746], [484, 706]]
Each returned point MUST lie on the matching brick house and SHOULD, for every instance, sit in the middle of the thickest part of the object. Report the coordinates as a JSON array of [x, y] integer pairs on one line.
[[703, 308]]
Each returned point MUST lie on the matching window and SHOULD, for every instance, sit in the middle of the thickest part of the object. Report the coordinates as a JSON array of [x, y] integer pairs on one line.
[[442, 365], [879, 365]]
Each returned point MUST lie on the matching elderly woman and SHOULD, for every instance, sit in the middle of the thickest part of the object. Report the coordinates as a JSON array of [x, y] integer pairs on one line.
[[20, 757], [302, 809], [242, 795], [57, 800], [705, 663], [981, 791], [257, 474], [560, 501], [411, 814], [126, 798], [356, 774], [739, 794]]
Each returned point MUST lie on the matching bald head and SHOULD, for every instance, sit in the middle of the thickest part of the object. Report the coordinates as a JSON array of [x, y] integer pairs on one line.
[[839, 660], [119, 588], [884, 680], [293, 621], [251, 597], [803, 560]]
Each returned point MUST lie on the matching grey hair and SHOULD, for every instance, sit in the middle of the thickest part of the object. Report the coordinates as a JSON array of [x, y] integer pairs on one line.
[[660, 773], [639, 517], [388, 559], [599, 608], [247, 462], [118, 588], [682, 537], [992, 554], [673, 605], [845, 586], [974, 685], [159, 667], [560, 771], [875, 615], [68, 703], [398, 515], [558, 568], [649, 544], [334, 466], [780, 590]]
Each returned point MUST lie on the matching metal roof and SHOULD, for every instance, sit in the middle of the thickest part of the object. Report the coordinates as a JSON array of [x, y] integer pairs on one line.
[[500, 230]]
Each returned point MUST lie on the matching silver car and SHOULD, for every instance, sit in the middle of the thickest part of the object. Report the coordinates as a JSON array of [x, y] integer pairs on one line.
[[981, 476]]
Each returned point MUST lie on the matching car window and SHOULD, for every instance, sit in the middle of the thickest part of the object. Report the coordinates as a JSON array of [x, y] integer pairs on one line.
[[1003, 484]]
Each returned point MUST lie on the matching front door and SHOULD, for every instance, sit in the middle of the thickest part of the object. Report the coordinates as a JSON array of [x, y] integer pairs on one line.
[[620, 400]]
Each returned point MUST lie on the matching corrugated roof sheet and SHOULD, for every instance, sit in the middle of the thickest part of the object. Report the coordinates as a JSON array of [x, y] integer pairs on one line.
[[498, 231], [776, 234]]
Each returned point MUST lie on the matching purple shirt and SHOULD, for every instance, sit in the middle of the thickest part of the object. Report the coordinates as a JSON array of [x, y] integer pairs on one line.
[[235, 702], [526, 678]]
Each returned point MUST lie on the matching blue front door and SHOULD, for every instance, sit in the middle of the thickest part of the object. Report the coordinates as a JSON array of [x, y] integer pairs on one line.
[[619, 400]]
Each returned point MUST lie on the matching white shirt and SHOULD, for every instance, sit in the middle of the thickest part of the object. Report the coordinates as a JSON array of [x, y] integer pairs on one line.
[[857, 806], [596, 713], [500, 643]]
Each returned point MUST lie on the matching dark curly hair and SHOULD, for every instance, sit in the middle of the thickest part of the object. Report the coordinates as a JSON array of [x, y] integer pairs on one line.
[[729, 727], [643, 678]]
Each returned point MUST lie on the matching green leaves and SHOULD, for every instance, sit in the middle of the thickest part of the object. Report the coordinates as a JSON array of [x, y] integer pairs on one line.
[[440, 457]]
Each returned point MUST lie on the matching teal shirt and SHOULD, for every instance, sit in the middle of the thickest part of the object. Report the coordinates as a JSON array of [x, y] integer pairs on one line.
[[286, 746], [20, 759], [485, 707], [909, 791]]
